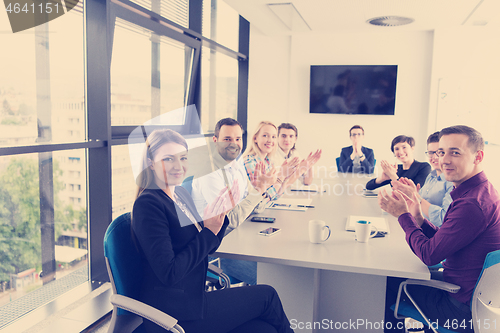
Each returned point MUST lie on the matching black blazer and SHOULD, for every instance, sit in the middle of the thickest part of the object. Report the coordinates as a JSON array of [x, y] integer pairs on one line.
[[346, 165], [174, 257], [417, 172]]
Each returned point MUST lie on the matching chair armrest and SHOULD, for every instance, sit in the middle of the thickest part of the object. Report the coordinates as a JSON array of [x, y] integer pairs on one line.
[[214, 269], [215, 262], [446, 286], [449, 287], [146, 311], [225, 280]]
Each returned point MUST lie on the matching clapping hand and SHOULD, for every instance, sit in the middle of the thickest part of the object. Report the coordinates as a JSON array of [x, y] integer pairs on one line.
[[215, 223], [394, 203], [308, 162], [398, 203], [288, 167], [405, 185], [302, 168], [390, 171], [357, 148], [225, 201], [261, 180], [215, 212]]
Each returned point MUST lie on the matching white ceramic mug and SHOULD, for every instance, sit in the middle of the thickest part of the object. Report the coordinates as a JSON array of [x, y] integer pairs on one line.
[[363, 229], [317, 231]]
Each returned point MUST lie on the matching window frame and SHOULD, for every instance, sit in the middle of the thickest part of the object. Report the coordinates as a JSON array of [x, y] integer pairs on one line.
[[99, 16]]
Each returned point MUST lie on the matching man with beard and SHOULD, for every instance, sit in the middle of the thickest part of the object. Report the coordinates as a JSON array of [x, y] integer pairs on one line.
[[245, 196], [229, 173]]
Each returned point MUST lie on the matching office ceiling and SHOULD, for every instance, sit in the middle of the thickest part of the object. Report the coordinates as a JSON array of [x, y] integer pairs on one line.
[[352, 15]]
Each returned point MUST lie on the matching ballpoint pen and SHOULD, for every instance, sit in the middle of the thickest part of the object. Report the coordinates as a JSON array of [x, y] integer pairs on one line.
[[305, 206]]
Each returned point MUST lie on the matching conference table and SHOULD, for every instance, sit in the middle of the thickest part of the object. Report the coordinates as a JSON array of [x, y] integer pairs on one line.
[[338, 285]]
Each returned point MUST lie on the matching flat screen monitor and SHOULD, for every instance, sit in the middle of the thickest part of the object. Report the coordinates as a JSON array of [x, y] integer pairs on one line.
[[344, 89]]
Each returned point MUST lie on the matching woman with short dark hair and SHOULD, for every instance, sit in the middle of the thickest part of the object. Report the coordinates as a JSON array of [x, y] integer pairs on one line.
[[434, 194], [403, 147]]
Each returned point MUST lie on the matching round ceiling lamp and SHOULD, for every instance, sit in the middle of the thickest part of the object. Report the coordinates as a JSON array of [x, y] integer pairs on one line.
[[390, 21]]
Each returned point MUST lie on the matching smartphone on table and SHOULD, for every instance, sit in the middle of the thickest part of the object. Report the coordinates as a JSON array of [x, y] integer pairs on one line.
[[269, 231], [262, 219]]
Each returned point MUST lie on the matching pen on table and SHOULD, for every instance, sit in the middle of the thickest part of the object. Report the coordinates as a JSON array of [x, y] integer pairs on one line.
[[280, 205], [305, 206]]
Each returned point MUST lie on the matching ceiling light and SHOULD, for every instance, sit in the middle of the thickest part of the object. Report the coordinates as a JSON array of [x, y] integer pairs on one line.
[[289, 15], [390, 21]]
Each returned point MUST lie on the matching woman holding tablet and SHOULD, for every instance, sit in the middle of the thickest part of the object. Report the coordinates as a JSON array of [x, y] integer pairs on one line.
[[403, 148], [174, 244]]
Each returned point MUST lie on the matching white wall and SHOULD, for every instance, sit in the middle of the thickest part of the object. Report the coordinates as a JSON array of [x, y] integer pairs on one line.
[[465, 85], [279, 87], [268, 88]]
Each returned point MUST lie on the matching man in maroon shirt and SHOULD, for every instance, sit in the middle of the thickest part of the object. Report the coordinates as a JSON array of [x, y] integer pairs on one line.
[[470, 230]]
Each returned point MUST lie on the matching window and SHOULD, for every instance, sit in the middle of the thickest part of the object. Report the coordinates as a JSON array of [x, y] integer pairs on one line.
[[54, 133], [41, 95], [26, 231], [29, 112], [221, 23], [175, 10], [158, 80], [219, 88]]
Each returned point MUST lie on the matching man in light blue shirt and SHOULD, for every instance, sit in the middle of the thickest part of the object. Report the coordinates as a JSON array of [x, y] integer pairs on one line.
[[434, 196]]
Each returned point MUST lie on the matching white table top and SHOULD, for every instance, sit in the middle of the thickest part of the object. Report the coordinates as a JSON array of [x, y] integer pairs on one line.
[[388, 256]]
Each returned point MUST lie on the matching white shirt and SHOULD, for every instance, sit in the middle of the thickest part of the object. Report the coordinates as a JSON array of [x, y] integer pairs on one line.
[[280, 156], [207, 188]]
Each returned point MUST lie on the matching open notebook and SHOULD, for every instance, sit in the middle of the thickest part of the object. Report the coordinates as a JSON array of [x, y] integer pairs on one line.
[[379, 222]]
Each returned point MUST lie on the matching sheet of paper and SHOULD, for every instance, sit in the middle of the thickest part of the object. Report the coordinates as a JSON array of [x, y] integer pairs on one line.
[[290, 204], [379, 222], [308, 188]]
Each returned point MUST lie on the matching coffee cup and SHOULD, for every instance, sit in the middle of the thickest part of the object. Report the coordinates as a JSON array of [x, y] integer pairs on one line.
[[317, 231], [363, 229]]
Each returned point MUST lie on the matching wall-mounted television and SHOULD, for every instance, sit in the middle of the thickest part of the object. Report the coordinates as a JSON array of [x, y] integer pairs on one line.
[[345, 89]]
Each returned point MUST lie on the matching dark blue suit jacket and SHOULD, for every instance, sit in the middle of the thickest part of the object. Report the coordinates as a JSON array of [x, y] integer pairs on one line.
[[175, 257], [367, 165]]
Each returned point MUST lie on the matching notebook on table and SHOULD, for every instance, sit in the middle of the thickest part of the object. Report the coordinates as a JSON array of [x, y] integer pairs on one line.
[[290, 204], [308, 188]]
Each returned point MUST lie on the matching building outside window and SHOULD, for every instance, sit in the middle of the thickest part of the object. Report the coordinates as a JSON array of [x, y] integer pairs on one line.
[[48, 165]]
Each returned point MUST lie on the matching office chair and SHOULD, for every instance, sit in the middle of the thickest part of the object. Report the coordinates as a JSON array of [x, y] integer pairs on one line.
[[485, 302], [123, 262], [188, 184]]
